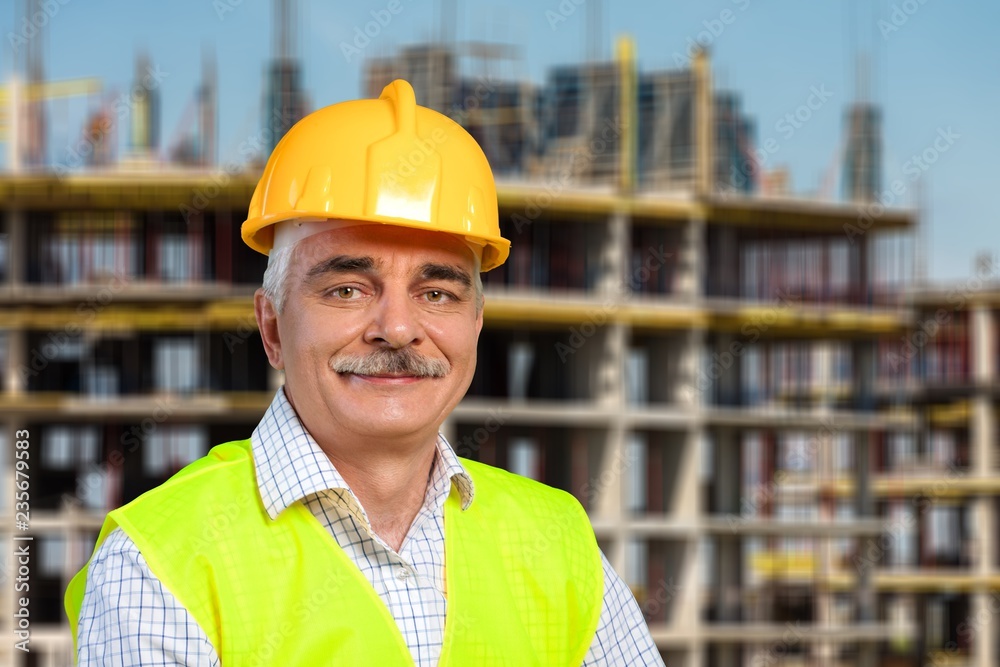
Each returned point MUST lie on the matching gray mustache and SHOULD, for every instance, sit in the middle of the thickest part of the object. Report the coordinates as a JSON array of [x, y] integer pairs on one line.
[[403, 361]]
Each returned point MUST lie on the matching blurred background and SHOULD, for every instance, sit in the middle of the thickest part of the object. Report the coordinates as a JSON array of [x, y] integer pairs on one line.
[[751, 316]]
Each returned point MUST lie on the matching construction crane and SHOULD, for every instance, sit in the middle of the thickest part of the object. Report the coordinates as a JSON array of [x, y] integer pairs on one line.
[[16, 95], [22, 114]]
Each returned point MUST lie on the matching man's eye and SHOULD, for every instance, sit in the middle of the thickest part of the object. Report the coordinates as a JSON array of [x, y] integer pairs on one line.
[[436, 296], [346, 292]]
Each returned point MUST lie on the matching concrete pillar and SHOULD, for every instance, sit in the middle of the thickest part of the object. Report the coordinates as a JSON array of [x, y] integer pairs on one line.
[[686, 613], [697, 657], [607, 487], [688, 495], [612, 287], [607, 365], [987, 523], [984, 608], [614, 280], [15, 381], [822, 360], [982, 434], [865, 509], [983, 344], [823, 652], [691, 381], [691, 267]]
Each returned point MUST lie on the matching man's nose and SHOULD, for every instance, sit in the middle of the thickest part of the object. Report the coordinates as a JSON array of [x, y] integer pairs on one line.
[[396, 320]]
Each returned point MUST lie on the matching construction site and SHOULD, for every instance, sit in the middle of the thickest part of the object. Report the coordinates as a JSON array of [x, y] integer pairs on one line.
[[786, 442]]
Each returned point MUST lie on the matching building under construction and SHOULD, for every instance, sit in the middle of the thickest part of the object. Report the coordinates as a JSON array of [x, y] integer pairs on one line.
[[787, 452]]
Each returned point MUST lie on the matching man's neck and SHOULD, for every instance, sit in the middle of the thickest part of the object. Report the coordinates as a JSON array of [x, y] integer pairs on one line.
[[390, 486]]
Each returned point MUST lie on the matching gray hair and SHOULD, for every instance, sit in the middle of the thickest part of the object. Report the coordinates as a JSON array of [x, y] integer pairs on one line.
[[275, 285], [279, 263]]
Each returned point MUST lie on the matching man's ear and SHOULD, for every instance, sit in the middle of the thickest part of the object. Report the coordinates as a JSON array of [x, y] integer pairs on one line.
[[267, 322]]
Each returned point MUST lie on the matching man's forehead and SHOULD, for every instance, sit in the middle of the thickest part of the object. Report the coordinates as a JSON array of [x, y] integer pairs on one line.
[[382, 244]]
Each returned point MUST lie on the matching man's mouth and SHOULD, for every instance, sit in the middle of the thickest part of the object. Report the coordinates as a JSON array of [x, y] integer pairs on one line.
[[388, 378]]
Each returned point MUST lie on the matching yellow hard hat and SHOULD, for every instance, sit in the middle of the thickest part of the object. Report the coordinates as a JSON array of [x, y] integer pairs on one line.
[[380, 161]]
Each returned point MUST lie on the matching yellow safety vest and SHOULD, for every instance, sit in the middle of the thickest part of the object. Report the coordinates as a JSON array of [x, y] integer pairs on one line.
[[523, 573]]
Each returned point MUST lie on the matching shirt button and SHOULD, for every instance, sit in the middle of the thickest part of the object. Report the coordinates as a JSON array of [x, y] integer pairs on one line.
[[403, 573]]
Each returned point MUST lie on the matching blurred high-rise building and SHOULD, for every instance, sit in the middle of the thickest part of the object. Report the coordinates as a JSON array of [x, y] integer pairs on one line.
[[286, 102]]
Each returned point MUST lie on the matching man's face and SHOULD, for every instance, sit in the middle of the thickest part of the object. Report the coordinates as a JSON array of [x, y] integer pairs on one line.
[[378, 332]]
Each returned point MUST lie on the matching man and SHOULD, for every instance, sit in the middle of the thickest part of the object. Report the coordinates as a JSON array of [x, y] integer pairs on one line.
[[346, 531]]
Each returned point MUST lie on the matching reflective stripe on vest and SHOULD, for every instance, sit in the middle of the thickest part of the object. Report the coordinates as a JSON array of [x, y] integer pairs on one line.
[[523, 572]]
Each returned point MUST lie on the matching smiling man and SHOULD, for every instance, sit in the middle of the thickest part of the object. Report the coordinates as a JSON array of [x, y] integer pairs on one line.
[[345, 530]]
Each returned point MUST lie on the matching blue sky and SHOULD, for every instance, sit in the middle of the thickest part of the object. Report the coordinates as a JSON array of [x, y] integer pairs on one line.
[[939, 69]]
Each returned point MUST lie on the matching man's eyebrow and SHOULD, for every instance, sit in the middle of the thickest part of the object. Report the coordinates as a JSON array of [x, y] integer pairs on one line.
[[431, 271], [341, 264]]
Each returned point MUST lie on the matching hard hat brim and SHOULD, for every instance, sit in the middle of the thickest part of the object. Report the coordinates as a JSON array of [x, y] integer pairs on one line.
[[258, 233]]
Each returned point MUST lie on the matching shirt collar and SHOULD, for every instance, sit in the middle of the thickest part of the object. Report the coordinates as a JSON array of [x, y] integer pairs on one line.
[[291, 466]]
